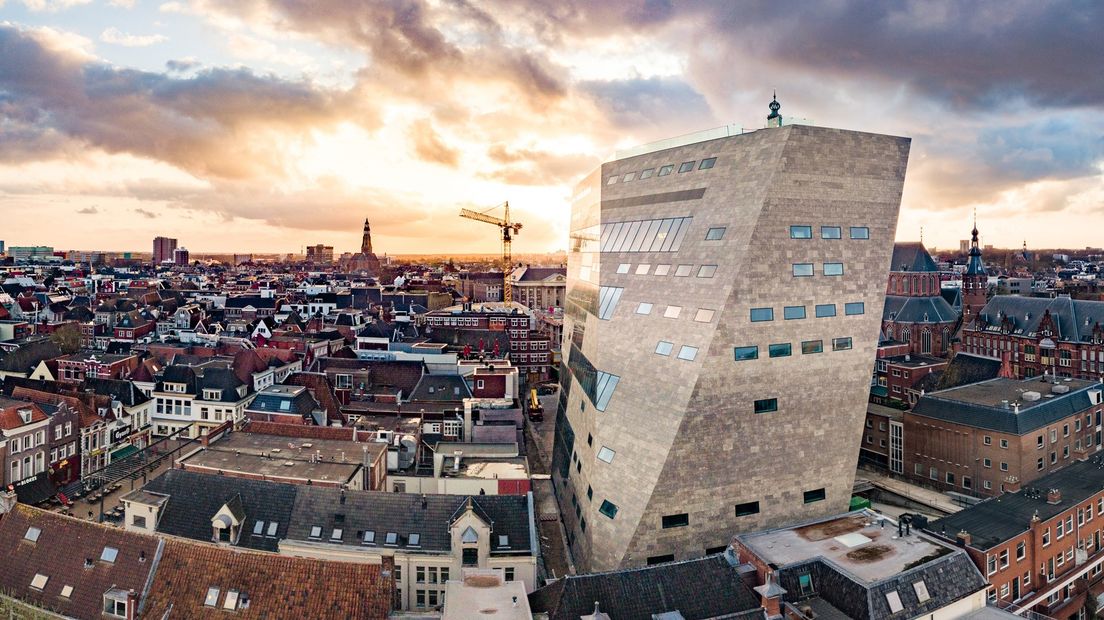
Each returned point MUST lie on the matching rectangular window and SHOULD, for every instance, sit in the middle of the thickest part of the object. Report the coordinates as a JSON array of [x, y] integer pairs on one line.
[[703, 315], [860, 232], [662, 270], [679, 520], [853, 308], [643, 269], [647, 173], [672, 312], [793, 312], [715, 234], [683, 271], [623, 268], [608, 509], [611, 180], [762, 314], [833, 269], [688, 353], [666, 170], [687, 166], [606, 455], [802, 270], [766, 405], [660, 559], [707, 163], [747, 508], [815, 495], [780, 350], [664, 347], [746, 353], [707, 271], [812, 346], [801, 232], [825, 310], [830, 232], [628, 177], [841, 344], [644, 308]]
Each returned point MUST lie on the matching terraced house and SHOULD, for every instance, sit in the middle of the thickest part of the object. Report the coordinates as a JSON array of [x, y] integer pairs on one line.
[[722, 314]]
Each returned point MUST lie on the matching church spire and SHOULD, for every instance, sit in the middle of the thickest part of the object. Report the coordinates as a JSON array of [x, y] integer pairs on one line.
[[774, 119], [366, 241]]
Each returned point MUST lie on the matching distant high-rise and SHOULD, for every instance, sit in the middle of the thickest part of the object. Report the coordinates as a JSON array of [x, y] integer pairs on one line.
[[722, 316], [1, 246], [181, 257], [163, 248], [320, 254]]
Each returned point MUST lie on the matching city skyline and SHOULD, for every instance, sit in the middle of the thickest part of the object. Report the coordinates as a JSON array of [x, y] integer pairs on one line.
[[287, 124]]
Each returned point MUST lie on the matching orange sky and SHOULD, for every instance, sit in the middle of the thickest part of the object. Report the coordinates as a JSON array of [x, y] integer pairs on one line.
[[267, 125]]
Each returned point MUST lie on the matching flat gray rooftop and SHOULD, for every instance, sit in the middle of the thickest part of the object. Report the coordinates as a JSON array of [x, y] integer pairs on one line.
[[285, 448], [854, 542], [994, 392], [276, 467]]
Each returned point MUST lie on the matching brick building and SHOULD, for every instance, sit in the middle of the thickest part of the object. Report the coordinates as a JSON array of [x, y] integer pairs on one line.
[[1039, 544], [972, 439], [915, 311], [495, 330]]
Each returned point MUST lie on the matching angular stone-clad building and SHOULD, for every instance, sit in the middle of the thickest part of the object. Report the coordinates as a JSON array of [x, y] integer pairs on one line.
[[724, 303]]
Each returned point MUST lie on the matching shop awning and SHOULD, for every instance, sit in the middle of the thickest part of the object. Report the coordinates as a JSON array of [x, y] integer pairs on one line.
[[35, 490], [122, 453]]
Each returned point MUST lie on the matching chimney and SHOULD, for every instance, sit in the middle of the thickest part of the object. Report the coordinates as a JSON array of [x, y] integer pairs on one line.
[[8, 500], [1012, 484], [132, 605], [770, 596], [963, 538], [1054, 496]]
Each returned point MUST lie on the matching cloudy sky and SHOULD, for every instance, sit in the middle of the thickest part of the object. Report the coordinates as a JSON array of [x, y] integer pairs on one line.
[[266, 125]]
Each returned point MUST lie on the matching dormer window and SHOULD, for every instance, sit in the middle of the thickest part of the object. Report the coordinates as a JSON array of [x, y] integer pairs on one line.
[[469, 537], [209, 394], [368, 538], [115, 603], [26, 414]]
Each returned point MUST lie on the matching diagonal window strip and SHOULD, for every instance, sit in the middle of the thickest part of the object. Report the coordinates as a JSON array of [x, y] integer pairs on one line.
[[608, 296]]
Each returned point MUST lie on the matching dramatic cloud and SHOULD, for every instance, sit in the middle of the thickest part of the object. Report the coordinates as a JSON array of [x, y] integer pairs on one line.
[[303, 117], [89, 210], [221, 122]]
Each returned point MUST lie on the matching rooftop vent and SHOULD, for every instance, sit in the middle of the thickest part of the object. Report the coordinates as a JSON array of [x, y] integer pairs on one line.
[[1060, 389], [1031, 396]]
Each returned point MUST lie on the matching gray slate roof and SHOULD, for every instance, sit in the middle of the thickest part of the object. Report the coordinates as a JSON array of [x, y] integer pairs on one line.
[[702, 588], [945, 405], [1074, 319], [194, 499], [903, 309], [1001, 518], [911, 256], [966, 368], [405, 514]]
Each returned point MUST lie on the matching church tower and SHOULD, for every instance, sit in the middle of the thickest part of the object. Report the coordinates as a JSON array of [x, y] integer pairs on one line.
[[366, 241], [975, 281]]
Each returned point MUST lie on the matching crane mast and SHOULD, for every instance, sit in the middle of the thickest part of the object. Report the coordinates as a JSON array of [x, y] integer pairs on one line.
[[509, 229]]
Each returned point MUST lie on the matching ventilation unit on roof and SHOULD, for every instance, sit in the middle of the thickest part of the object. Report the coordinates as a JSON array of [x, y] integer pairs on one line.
[[1060, 389], [1031, 396], [289, 463]]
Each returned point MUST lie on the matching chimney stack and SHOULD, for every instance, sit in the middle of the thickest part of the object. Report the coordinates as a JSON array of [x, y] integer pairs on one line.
[[770, 596], [8, 500], [1054, 496], [963, 538], [1012, 484]]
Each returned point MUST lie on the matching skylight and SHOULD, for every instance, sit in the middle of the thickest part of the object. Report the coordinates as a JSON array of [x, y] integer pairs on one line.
[[258, 528], [337, 533], [369, 537], [66, 591], [32, 534], [316, 531], [392, 538], [231, 601], [212, 597], [921, 591], [109, 554], [272, 528], [39, 581], [415, 540], [894, 601], [503, 541]]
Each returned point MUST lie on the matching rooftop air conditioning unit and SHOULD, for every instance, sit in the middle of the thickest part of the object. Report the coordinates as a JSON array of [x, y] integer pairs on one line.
[[1031, 396], [1060, 389]]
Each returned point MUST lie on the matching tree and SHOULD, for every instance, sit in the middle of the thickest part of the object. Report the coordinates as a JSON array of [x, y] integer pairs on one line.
[[67, 338]]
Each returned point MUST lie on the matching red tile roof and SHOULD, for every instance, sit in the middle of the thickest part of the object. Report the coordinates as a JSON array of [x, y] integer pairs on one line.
[[276, 586], [60, 553], [9, 414]]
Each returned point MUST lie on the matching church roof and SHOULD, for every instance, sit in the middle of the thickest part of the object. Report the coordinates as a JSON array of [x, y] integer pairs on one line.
[[912, 256], [903, 309]]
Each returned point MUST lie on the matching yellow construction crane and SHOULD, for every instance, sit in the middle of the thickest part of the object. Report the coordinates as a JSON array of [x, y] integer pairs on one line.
[[509, 229]]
